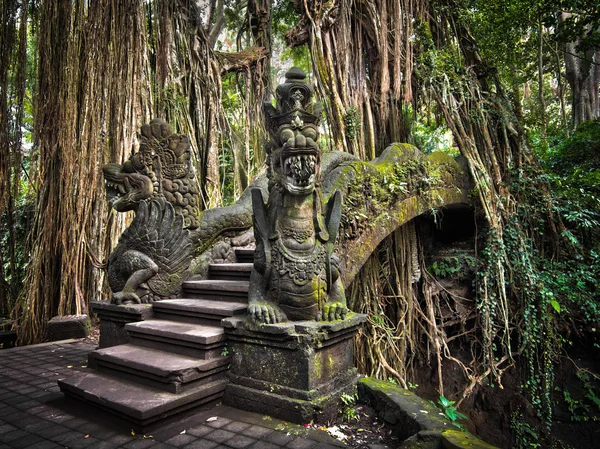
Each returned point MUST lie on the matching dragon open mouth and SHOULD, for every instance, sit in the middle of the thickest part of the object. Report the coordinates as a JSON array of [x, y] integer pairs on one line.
[[124, 190], [114, 191], [300, 170]]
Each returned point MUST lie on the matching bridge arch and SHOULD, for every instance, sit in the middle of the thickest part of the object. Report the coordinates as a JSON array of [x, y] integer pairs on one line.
[[381, 195]]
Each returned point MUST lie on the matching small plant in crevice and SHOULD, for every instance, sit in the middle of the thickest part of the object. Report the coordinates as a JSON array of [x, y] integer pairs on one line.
[[349, 412], [224, 351]]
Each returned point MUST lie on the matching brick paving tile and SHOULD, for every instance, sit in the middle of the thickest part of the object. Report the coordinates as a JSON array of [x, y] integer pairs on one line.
[[279, 438], [264, 445], [162, 445], [75, 423], [202, 444], [257, 432], [105, 445], [38, 426], [220, 436], [236, 426], [119, 439], [93, 429], [300, 443], [51, 432], [14, 400], [27, 405], [139, 444], [200, 431], [60, 417], [39, 409], [46, 445], [67, 437], [180, 440], [26, 390], [81, 443], [16, 416], [26, 441], [240, 442], [5, 428], [218, 423], [11, 436], [7, 395], [26, 421], [39, 394], [325, 446]]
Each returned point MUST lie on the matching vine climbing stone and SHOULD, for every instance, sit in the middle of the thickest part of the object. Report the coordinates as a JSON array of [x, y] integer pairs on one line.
[[296, 271]]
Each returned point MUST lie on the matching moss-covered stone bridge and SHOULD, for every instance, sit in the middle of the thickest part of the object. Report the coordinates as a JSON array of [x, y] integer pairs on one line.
[[381, 195]]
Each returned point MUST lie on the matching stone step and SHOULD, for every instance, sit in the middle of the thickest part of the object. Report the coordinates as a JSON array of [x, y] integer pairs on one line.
[[198, 311], [230, 271], [163, 370], [142, 405], [220, 290], [244, 255], [193, 340]]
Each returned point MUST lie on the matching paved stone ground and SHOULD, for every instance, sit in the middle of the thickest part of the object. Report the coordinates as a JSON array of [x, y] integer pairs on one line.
[[35, 414]]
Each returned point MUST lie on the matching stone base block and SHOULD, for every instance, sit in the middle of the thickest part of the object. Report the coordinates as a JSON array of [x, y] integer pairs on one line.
[[295, 371], [68, 326], [113, 319]]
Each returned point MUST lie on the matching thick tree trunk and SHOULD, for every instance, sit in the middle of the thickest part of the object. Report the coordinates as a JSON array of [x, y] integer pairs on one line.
[[583, 76], [93, 96]]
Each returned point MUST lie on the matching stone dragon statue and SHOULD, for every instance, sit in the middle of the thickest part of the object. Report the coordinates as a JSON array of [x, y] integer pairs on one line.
[[296, 272], [156, 253]]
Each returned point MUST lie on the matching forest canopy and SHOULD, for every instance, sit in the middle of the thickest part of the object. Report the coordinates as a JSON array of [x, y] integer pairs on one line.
[[512, 86]]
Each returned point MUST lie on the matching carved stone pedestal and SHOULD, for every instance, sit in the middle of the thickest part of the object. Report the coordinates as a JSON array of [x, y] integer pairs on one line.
[[295, 371], [113, 319]]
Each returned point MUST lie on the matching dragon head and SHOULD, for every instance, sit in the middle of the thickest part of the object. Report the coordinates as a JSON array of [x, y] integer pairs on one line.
[[125, 187], [160, 169], [294, 154]]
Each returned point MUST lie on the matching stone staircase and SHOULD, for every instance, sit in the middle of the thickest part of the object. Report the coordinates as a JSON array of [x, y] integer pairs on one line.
[[175, 361]]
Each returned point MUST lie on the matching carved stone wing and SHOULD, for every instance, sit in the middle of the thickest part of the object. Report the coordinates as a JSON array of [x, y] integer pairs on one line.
[[158, 232]]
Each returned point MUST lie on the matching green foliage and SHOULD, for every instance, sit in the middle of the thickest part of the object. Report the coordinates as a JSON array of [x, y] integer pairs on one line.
[[352, 122], [431, 138], [24, 207], [349, 412], [587, 407], [450, 411], [456, 266], [526, 437]]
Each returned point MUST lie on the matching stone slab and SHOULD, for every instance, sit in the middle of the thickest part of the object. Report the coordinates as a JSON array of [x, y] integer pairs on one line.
[[217, 285], [193, 340], [68, 326], [230, 271], [221, 290], [244, 255], [201, 311], [185, 332], [161, 365], [136, 403]]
